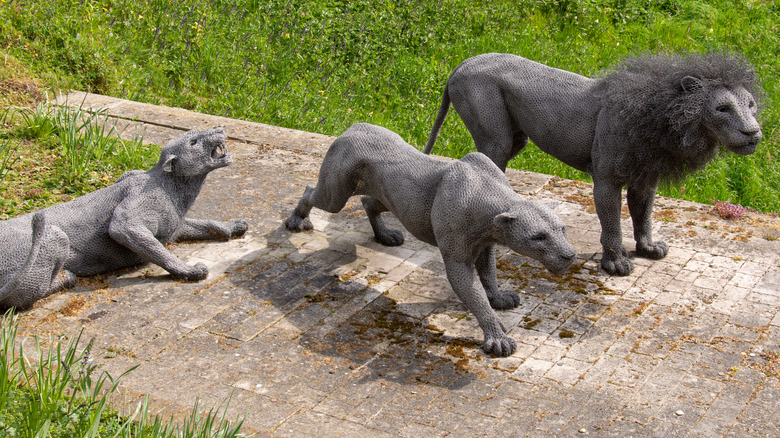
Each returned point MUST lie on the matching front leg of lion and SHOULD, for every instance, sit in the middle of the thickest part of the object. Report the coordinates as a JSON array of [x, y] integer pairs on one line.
[[653, 118]]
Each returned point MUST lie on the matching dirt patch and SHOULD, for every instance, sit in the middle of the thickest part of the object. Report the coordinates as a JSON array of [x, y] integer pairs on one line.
[[26, 89]]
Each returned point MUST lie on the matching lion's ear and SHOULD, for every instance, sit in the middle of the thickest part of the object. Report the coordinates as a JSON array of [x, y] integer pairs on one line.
[[691, 84], [168, 165], [504, 219]]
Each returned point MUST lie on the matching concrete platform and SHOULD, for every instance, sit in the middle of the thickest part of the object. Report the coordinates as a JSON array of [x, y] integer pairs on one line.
[[328, 333]]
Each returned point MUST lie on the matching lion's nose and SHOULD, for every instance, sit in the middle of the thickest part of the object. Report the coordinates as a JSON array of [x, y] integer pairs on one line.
[[569, 257]]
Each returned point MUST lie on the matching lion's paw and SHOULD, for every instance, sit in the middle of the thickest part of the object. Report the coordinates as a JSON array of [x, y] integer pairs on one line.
[[239, 227], [63, 280], [655, 251], [297, 223], [197, 272], [390, 238], [619, 265], [501, 346], [68, 279], [504, 299]]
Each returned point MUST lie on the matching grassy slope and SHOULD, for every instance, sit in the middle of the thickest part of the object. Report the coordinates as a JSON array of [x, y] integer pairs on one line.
[[39, 174], [321, 66]]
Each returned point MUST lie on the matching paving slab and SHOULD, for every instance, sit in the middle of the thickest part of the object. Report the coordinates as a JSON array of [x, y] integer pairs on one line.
[[329, 332]]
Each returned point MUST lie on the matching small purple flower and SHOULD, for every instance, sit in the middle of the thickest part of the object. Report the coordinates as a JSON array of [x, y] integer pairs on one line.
[[727, 210]]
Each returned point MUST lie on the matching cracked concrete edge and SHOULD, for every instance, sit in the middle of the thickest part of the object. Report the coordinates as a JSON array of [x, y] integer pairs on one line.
[[159, 118]]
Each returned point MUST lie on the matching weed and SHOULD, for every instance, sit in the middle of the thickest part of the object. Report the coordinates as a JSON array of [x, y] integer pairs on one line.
[[86, 137], [531, 323], [35, 123], [726, 210], [7, 158], [60, 393], [80, 155], [640, 308], [564, 334]]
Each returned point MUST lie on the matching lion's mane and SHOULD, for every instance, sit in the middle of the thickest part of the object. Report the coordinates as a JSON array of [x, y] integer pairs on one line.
[[661, 121]]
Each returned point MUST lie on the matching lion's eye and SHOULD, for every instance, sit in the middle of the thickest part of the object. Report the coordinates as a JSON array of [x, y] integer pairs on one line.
[[193, 141], [723, 109], [539, 237]]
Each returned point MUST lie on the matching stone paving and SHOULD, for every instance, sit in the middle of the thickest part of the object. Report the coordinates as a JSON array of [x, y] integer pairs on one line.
[[328, 333]]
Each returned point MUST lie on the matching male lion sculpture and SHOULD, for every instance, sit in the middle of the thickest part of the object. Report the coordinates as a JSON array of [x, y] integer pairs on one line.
[[653, 118], [122, 225], [463, 207]]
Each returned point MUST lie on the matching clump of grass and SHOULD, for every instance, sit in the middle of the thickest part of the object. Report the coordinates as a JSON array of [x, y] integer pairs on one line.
[[36, 122], [58, 392], [195, 425], [87, 137], [53, 153], [54, 394]]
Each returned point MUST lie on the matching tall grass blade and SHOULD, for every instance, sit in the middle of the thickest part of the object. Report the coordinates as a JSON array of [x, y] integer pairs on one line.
[[7, 158], [8, 360]]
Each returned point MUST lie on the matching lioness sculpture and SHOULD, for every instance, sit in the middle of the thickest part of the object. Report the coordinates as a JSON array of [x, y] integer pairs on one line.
[[653, 118], [122, 225], [463, 207]]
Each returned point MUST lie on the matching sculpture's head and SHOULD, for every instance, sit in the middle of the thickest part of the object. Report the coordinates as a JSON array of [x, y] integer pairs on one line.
[[532, 229], [195, 153], [687, 104], [728, 114]]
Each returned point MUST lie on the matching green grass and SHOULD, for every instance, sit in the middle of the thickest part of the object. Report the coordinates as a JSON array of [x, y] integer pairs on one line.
[[322, 66], [58, 391], [52, 154]]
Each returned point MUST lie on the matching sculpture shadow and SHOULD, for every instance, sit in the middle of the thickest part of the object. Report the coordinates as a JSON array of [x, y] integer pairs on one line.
[[329, 306]]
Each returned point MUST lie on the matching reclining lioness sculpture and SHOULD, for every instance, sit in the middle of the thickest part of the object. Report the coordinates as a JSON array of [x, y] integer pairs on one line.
[[122, 225], [464, 207], [653, 118]]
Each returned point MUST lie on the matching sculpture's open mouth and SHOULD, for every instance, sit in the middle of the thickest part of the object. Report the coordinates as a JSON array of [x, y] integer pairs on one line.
[[218, 152]]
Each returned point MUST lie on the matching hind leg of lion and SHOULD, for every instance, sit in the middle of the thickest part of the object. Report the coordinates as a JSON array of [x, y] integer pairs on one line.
[[488, 122], [640, 205], [330, 196], [52, 259], [384, 235], [335, 185], [46, 275], [60, 246]]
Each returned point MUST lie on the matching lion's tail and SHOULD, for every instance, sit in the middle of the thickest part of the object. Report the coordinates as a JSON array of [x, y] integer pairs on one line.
[[444, 109], [38, 230]]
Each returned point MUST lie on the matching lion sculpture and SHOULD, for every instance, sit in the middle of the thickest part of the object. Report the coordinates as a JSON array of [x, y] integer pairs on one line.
[[653, 118], [122, 225], [463, 207]]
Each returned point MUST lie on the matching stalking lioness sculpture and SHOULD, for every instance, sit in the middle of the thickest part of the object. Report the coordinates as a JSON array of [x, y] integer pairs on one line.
[[124, 224], [463, 207], [653, 118]]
